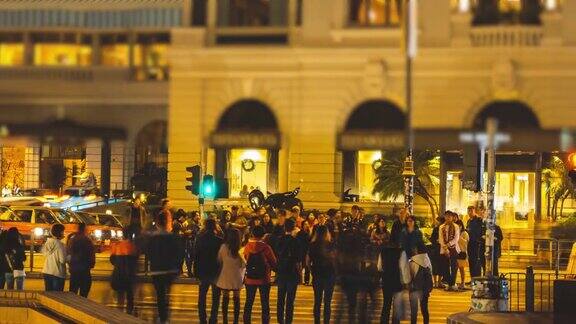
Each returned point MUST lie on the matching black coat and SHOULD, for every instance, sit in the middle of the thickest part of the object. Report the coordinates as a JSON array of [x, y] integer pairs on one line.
[[163, 251], [391, 269], [206, 256]]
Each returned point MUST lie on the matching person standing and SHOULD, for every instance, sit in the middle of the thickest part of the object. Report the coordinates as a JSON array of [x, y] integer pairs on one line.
[[163, 251], [411, 236], [54, 251], [15, 255], [82, 259], [462, 256], [398, 226], [416, 274], [449, 237], [4, 268], [260, 260], [322, 262], [137, 216], [476, 230], [165, 212], [498, 237], [232, 271], [389, 267], [124, 258], [206, 269], [288, 273]]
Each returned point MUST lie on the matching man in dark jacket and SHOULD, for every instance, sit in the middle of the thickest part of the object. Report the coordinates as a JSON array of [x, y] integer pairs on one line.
[[398, 226], [82, 259], [137, 216], [206, 269], [476, 230], [288, 272], [163, 252]]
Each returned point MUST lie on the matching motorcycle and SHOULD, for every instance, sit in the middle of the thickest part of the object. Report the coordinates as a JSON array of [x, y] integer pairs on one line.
[[285, 200]]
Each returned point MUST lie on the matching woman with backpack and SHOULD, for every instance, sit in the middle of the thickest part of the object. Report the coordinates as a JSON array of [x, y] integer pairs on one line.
[[15, 256], [260, 260], [232, 269], [124, 258], [416, 275], [322, 261]]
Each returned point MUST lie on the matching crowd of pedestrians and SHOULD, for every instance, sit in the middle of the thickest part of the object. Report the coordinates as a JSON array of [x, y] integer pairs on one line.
[[263, 250]]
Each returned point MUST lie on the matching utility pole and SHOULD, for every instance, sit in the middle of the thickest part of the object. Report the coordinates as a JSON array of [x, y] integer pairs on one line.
[[411, 45], [491, 129]]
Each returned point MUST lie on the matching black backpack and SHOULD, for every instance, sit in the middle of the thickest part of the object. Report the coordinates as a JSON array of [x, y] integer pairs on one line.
[[256, 266], [422, 280], [287, 257]]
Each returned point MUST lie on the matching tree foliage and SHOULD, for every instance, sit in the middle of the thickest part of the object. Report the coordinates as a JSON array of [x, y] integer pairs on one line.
[[389, 182]]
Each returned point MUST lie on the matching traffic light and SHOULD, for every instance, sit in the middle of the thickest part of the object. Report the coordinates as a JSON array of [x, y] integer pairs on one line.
[[471, 163], [208, 187], [194, 179]]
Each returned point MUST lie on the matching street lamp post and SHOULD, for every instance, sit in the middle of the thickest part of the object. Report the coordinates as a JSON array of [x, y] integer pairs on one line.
[[410, 44]]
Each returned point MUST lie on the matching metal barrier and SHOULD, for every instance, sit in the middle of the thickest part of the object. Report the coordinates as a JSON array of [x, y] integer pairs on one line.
[[540, 253], [532, 292]]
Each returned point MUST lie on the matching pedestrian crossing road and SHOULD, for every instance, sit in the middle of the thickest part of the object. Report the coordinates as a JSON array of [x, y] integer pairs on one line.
[[184, 298]]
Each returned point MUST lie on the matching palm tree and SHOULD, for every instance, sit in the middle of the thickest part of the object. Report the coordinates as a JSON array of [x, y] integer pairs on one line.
[[389, 182], [558, 185]]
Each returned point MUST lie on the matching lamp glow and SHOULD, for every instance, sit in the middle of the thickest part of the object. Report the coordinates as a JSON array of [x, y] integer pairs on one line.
[[38, 232], [98, 233]]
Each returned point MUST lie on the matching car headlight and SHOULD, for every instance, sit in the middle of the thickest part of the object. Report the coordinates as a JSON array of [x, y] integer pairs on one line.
[[38, 231], [98, 233], [113, 233], [119, 234]]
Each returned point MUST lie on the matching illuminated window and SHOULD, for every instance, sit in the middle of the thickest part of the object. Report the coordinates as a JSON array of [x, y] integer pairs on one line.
[[115, 50], [151, 57], [252, 13], [515, 194], [366, 173], [62, 54], [376, 12], [12, 54], [460, 5], [248, 170]]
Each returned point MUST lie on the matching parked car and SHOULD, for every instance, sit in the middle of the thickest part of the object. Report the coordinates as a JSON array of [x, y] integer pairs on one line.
[[102, 235], [34, 223], [104, 219]]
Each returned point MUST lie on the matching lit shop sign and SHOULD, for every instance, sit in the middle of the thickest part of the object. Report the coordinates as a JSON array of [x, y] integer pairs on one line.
[[243, 140], [370, 141]]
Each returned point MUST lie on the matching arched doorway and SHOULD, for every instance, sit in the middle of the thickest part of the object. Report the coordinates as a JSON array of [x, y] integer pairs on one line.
[[151, 158], [372, 126], [246, 144], [518, 171]]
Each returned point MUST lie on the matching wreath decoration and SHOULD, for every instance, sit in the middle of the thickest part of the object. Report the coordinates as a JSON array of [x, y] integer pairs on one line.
[[376, 165], [248, 165]]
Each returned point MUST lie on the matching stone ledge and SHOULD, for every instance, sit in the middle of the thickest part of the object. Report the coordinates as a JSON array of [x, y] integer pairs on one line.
[[505, 318], [66, 305]]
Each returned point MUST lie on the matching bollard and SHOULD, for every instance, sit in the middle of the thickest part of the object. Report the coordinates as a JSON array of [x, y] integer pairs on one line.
[[529, 290]]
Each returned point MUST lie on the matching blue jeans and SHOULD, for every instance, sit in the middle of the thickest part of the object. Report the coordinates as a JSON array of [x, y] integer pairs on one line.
[[10, 280], [53, 283]]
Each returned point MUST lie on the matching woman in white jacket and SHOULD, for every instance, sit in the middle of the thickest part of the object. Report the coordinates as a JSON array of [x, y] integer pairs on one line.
[[449, 236], [54, 252], [232, 269], [416, 276]]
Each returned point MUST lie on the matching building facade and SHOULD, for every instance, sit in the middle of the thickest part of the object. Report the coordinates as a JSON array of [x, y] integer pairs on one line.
[[310, 94], [84, 89]]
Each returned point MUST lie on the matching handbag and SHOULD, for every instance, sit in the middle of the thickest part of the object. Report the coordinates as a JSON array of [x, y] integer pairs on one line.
[[462, 255]]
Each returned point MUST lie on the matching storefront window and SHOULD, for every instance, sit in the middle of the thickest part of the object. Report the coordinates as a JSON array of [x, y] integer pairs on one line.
[[376, 12], [252, 13], [62, 54], [515, 194], [366, 173], [12, 54], [248, 170]]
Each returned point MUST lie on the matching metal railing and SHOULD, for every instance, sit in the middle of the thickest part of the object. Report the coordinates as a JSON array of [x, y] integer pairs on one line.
[[494, 36], [540, 253], [532, 292]]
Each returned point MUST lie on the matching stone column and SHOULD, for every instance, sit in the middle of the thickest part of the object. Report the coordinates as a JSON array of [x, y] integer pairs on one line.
[[117, 165]]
